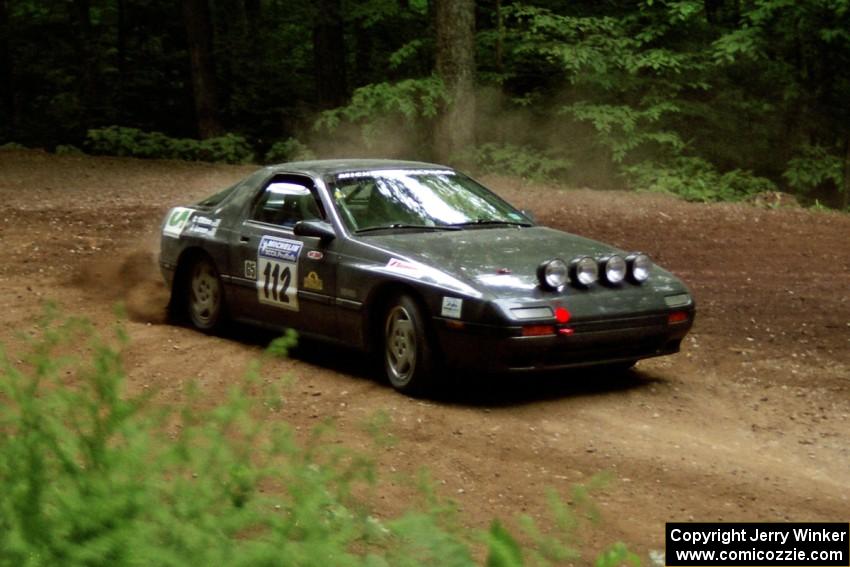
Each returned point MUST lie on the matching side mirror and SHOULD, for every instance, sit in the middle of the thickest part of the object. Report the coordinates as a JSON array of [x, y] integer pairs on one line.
[[316, 228]]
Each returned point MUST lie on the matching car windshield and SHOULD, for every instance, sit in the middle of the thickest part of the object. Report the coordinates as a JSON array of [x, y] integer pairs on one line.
[[372, 201]]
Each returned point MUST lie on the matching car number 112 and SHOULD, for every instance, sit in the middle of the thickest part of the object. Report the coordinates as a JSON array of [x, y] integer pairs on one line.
[[274, 284]]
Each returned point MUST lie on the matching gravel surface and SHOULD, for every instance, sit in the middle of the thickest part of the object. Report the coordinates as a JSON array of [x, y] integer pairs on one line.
[[749, 423]]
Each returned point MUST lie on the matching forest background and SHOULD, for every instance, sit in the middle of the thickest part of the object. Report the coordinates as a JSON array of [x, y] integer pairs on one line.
[[708, 99]]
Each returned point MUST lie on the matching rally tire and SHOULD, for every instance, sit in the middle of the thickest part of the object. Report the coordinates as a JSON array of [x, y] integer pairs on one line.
[[408, 353], [204, 296]]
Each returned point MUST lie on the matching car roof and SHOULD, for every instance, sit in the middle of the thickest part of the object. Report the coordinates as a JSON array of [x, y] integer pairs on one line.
[[333, 166]]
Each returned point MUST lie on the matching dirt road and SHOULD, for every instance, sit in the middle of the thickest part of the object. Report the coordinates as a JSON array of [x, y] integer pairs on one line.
[[749, 422]]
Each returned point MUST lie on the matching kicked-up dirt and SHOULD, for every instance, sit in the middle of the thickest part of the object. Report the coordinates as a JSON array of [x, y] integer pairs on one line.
[[751, 422]]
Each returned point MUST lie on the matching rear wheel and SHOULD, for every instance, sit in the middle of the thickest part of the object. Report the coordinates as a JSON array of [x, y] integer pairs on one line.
[[408, 353], [204, 296]]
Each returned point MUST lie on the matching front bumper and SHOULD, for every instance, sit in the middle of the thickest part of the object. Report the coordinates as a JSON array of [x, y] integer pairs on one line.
[[500, 349]]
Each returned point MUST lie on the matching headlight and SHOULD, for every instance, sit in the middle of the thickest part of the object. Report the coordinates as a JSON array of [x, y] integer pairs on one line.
[[614, 269], [552, 274], [584, 271], [639, 267]]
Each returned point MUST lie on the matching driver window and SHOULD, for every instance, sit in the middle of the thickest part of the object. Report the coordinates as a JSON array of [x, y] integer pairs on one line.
[[284, 203]]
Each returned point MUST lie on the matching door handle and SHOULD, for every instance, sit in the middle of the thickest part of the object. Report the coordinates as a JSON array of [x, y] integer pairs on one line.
[[244, 239]]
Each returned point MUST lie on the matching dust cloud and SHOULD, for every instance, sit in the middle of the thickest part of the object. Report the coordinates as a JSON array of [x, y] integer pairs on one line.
[[499, 120], [131, 278]]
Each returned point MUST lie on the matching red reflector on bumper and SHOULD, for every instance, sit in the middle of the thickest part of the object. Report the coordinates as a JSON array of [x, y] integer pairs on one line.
[[566, 331], [538, 330], [677, 317], [562, 315]]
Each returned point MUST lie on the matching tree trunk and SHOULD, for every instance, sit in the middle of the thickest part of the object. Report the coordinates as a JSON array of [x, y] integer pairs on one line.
[[119, 107], [87, 91], [7, 112], [362, 56], [500, 36], [329, 54], [196, 15], [253, 12], [845, 196], [455, 65], [712, 8]]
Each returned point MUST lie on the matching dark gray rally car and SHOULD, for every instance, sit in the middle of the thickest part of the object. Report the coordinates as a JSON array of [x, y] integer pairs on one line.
[[419, 263]]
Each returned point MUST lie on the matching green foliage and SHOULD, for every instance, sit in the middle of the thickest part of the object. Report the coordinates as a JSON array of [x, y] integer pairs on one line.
[[622, 128], [411, 99], [12, 146], [521, 161], [740, 85], [92, 475], [695, 179], [132, 142], [733, 85], [622, 82], [504, 551], [376, 108], [405, 53], [290, 149], [813, 167], [68, 150], [737, 44], [617, 555]]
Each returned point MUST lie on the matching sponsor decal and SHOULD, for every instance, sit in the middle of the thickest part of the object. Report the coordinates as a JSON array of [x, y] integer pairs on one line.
[[403, 267], [315, 255], [203, 226], [280, 248], [452, 307], [176, 221], [393, 173], [508, 280], [313, 281], [251, 269], [427, 273], [277, 270]]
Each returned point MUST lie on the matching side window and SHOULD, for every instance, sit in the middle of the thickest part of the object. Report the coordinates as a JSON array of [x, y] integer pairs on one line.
[[285, 203]]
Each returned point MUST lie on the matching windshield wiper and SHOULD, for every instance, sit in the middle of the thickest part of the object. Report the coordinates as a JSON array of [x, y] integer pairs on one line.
[[401, 225], [491, 222]]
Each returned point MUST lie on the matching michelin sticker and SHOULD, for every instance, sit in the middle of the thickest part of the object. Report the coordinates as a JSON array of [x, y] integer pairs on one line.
[[176, 221], [277, 272], [452, 307]]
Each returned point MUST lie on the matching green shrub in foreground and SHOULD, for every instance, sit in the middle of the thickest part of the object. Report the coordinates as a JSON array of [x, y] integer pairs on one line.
[[93, 476]]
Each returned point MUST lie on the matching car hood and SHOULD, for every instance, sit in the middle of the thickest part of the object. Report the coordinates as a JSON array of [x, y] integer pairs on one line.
[[494, 259]]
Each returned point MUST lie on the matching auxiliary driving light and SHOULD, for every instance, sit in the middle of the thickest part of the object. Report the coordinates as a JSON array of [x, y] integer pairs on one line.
[[552, 274], [614, 269], [584, 271], [639, 267]]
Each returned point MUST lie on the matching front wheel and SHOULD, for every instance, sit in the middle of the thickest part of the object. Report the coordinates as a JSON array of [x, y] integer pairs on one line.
[[408, 353], [204, 296]]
